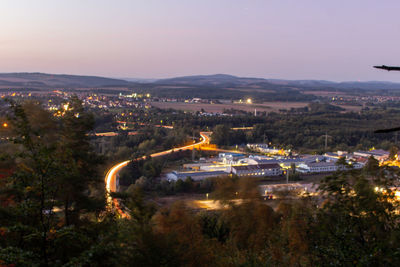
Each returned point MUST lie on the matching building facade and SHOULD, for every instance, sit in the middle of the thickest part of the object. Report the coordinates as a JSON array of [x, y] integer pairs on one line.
[[257, 170]]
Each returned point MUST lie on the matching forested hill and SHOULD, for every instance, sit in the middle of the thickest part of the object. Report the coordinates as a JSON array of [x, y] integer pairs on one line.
[[224, 79], [44, 80], [216, 79], [199, 82]]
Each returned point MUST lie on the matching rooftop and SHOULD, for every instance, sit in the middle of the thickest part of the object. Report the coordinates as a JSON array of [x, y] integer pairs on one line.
[[199, 173], [321, 164], [257, 167]]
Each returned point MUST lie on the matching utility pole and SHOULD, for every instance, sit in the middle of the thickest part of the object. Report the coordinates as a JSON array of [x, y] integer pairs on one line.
[[326, 140]]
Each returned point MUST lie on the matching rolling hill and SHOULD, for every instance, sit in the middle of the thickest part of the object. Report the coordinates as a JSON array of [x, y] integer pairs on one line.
[[221, 81], [230, 80], [43, 80]]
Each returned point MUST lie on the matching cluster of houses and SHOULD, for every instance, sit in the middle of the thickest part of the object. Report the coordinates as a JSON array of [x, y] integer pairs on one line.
[[260, 165]]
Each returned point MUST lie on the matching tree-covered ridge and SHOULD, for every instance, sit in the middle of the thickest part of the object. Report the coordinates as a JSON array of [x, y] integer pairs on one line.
[[306, 131], [299, 129]]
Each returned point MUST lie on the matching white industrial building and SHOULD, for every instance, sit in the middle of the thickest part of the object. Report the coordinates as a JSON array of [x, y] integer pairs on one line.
[[317, 167], [320, 167], [257, 170]]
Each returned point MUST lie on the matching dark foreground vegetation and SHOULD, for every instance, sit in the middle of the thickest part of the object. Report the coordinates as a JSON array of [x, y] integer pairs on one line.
[[53, 211]]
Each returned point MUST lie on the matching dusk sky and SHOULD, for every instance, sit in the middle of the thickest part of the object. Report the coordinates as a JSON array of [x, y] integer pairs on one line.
[[336, 40]]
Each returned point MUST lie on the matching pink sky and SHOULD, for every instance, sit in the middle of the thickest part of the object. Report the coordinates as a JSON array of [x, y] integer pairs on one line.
[[310, 39]]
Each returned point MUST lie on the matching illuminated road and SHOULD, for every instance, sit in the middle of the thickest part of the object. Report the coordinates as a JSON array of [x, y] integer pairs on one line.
[[108, 134], [111, 177]]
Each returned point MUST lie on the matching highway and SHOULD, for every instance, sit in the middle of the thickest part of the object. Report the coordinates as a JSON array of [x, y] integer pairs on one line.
[[111, 177], [108, 134]]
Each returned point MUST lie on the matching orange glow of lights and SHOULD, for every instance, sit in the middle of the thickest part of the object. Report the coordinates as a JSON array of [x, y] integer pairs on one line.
[[5, 125], [111, 177]]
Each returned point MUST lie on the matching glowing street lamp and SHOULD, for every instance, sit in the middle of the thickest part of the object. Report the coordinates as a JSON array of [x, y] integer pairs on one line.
[[5, 125], [249, 101]]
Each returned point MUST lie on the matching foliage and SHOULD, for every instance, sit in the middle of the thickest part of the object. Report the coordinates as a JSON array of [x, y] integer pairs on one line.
[[55, 191], [53, 208], [358, 224]]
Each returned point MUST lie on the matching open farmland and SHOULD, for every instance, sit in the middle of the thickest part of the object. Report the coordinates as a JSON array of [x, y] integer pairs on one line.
[[219, 108], [327, 93], [192, 107]]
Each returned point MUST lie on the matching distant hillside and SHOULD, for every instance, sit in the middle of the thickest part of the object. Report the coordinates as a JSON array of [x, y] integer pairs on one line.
[[189, 83], [370, 85], [216, 79], [229, 80], [43, 80]]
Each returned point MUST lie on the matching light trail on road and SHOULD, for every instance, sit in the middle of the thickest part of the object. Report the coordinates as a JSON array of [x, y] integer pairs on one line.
[[111, 177]]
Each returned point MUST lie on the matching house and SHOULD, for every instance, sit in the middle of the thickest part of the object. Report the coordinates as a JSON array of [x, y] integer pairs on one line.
[[312, 158], [317, 167], [378, 154], [272, 169], [257, 161], [361, 160], [287, 163], [356, 165], [331, 155], [284, 162], [230, 158]]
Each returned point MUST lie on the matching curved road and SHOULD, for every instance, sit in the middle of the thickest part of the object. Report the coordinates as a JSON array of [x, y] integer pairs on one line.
[[111, 177]]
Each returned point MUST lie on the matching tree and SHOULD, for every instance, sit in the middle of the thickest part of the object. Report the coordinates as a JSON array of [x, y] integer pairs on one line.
[[221, 135], [342, 163], [357, 224], [178, 225], [291, 244], [372, 166], [33, 186], [394, 150], [55, 190], [80, 164]]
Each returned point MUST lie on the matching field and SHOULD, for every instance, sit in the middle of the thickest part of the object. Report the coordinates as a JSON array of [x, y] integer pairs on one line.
[[326, 93], [214, 108], [192, 107]]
